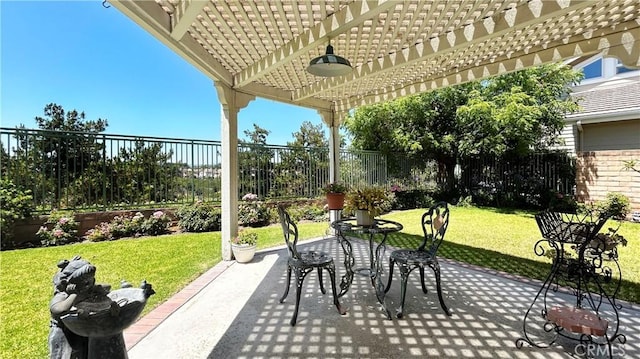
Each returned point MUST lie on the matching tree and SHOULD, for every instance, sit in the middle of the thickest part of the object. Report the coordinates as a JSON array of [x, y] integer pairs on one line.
[[309, 136], [67, 151], [254, 163], [516, 113], [144, 174], [302, 168], [422, 127], [520, 112]]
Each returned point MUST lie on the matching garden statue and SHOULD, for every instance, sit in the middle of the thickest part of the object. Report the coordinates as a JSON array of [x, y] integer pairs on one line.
[[87, 319]]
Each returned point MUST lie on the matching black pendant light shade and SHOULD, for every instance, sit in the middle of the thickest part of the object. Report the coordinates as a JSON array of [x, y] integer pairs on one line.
[[329, 65]]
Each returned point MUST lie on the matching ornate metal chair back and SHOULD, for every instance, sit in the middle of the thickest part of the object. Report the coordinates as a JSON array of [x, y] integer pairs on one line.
[[551, 225], [434, 226], [290, 231]]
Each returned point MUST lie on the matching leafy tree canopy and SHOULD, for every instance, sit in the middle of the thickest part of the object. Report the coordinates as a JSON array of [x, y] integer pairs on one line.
[[309, 136], [56, 119], [258, 136], [513, 113]]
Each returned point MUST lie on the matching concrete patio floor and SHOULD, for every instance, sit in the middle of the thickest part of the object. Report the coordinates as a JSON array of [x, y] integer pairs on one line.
[[233, 311]]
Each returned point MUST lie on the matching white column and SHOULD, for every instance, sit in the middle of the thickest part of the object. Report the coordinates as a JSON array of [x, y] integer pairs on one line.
[[231, 102], [332, 120]]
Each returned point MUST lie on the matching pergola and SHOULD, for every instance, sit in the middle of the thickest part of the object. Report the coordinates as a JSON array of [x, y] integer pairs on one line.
[[261, 48]]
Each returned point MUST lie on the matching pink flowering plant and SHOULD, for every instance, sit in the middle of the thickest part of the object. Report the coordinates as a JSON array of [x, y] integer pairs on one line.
[[101, 232], [157, 224], [60, 228], [252, 212], [125, 226], [130, 226]]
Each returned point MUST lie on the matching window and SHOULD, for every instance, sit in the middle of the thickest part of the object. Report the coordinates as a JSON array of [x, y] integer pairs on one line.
[[593, 70], [620, 68]]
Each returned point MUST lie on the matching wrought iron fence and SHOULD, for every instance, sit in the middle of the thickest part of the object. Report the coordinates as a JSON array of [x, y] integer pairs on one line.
[[519, 181], [90, 171], [74, 170]]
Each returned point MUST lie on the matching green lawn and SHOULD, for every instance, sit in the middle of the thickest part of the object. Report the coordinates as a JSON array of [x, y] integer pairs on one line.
[[492, 238]]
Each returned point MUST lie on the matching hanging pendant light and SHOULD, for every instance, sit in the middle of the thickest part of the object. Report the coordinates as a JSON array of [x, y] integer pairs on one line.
[[329, 65]]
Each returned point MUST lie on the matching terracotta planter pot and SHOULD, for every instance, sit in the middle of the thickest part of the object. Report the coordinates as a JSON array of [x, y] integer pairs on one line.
[[335, 200]]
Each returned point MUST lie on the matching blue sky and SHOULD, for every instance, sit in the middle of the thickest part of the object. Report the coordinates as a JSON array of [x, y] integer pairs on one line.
[[85, 57]]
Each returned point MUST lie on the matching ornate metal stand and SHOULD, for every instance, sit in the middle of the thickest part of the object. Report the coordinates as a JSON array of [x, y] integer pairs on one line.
[[586, 263]]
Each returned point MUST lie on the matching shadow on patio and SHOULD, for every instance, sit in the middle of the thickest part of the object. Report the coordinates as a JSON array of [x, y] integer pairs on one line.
[[238, 315]]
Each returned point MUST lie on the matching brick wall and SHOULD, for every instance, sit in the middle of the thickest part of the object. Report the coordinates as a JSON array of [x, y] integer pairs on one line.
[[600, 172]]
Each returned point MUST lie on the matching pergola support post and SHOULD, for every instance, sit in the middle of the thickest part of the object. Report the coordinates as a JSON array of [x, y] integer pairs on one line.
[[231, 102], [333, 121]]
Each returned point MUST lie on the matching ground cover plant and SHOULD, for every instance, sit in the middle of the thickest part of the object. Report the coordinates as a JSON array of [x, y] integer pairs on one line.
[[493, 238]]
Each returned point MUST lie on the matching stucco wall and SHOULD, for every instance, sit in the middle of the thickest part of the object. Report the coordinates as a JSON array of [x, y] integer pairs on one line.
[[601, 172]]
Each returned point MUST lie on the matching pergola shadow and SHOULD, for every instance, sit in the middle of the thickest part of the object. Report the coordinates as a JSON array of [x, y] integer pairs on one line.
[[228, 320]]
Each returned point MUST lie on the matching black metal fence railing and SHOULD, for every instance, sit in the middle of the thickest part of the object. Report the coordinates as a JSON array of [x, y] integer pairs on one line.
[[96, 171], [528, 180], [73, 170]]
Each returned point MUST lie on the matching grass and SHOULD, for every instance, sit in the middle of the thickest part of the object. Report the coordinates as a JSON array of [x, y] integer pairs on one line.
[[501, 240], [504, 240]]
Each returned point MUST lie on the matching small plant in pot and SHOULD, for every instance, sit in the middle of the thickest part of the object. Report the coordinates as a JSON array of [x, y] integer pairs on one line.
[[335, 193], [244, 246], [367, 203], [607, 241]]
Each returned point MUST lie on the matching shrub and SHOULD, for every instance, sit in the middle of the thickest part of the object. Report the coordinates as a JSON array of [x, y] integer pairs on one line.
[[562, 202], [314, 213], [308, 212], [615, 204], [15, 204], [411, 199], [59, 229], [101, 232], [465, 201], [252, 212], [199, 217], [157, 224], [130, 226], [126, 226]]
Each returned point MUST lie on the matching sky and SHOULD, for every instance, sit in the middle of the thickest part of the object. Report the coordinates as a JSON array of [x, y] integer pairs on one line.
[[83, 56]]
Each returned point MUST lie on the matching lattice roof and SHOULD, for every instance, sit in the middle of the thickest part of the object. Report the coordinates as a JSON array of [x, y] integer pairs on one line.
[[397, 48]]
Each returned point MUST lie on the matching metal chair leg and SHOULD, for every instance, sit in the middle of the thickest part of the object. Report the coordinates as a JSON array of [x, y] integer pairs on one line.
[[404, 274], [300, 275], [391, 263], [336, 302], [321, 281], [436, 270], [298, 293], [286, 291], [422, 282]]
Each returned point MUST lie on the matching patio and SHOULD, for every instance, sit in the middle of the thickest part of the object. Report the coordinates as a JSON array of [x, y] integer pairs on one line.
[[233, 311], [391, 49]]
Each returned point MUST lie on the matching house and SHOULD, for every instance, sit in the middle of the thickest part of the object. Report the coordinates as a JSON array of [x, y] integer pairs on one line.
[[606, 131]]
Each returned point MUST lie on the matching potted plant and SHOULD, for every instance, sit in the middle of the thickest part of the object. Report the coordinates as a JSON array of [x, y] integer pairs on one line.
[[244, 246], [607, 241], [367, 203], [335, 193]]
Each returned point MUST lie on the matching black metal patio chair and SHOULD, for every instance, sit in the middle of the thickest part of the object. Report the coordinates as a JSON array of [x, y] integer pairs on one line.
[[303, 262], [434, 226]]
